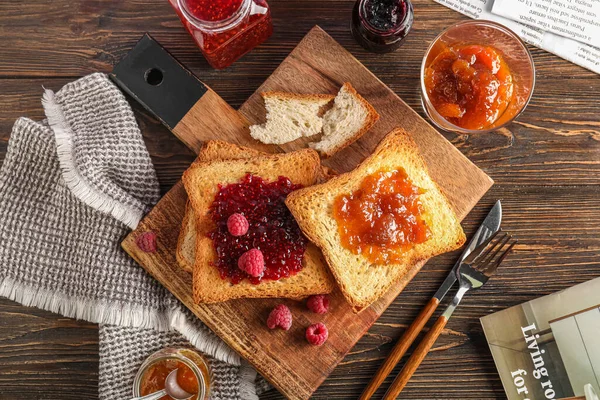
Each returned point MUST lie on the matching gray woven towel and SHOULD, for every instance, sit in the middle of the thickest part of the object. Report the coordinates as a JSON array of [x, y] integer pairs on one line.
[[71, 188], [122, 351]]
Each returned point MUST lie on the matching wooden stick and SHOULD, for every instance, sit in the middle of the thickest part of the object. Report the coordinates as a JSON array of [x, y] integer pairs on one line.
[[416, 358], [400, 348]]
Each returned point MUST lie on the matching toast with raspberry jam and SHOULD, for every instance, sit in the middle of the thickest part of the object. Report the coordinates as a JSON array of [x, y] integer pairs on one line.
[[204, 181], [362, 280], [211, 151]]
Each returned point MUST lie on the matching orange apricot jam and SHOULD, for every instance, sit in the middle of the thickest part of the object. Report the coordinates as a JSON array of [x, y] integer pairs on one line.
[[155, 376], [382, 219], [470, 86]]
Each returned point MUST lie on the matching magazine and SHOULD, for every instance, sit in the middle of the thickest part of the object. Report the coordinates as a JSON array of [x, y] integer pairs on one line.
[[549, 348]]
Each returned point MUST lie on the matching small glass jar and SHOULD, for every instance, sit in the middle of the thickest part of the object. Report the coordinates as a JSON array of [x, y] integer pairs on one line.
[[153, 372], [380, 26], [225, 30], [487, 34]]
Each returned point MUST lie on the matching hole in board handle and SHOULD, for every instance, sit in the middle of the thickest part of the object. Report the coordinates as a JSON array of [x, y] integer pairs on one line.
[[153, 76]]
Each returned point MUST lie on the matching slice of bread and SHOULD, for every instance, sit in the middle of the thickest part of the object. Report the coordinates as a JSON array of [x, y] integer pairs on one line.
[[186, 243], [212, 150], [360, 281], [201, 181], [215, 150], [221, 150], [290, 116], [349, 119]]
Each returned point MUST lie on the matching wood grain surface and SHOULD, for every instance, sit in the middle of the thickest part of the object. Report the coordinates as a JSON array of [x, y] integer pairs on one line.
[[317, 65], [546, 168], [400, 348]]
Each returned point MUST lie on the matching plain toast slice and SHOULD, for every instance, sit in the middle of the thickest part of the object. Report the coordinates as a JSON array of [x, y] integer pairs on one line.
[[290, 116], [201, 181], [360, 281], [349, 118]]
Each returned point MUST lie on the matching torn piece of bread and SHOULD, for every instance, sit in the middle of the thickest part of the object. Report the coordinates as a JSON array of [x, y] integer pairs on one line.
[[290, 116], [361, 281], [202, 181], [349, 119], [211, 150]]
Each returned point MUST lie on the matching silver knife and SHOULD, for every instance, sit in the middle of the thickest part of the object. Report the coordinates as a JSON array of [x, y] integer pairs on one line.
[[488, 227]]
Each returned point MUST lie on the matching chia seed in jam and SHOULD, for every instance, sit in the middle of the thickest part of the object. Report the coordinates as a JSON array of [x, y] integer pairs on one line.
[[273, 230]]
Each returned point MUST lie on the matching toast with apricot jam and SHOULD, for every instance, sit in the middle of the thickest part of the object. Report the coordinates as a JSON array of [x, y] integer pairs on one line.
[[361, 280]]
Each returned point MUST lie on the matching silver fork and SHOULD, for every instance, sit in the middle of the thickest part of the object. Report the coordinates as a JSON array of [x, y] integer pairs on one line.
[[473, 273], [490, 225]]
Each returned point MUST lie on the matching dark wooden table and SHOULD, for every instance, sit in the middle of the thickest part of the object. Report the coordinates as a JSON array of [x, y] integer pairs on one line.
[[546, 167]]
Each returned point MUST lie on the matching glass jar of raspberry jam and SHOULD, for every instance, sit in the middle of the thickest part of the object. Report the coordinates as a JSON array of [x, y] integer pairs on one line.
[[380, 26], [225, 30]]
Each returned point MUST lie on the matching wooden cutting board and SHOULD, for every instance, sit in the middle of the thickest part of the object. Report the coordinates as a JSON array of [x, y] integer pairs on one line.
[[317, 65]]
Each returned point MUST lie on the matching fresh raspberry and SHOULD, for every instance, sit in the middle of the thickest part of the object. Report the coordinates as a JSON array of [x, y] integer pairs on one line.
[[237, 224], [281, 317], [317, 334], [318, 304], [146, 242], [252, 262]]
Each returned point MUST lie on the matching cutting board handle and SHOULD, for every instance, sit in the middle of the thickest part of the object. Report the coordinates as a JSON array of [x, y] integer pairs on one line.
[[158, 81], [185, 105]]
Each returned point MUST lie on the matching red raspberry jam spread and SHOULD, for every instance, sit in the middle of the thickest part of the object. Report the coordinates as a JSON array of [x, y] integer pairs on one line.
[[272, 228], [471, 86], [382, 218]]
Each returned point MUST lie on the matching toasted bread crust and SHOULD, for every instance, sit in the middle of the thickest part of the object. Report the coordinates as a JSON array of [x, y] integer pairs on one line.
[[298, 96], [215, 150], [372, 117], [201, 182], [310, 207], [187, 236]]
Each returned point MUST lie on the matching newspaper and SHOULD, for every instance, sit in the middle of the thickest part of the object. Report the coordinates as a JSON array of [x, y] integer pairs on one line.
[[549, 347], [572, 50], [575, 19]]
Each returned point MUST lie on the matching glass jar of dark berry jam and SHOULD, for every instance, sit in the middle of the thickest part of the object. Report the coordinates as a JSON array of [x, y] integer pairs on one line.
[[380, 26], [225, 30]]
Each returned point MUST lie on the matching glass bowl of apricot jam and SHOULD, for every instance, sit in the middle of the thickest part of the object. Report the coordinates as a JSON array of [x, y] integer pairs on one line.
[[193, 373], [476, 76]]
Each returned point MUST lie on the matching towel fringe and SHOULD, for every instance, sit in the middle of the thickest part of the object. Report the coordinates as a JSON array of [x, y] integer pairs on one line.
[[74, 180], [113, 313], [248, 382], [198, 338]]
